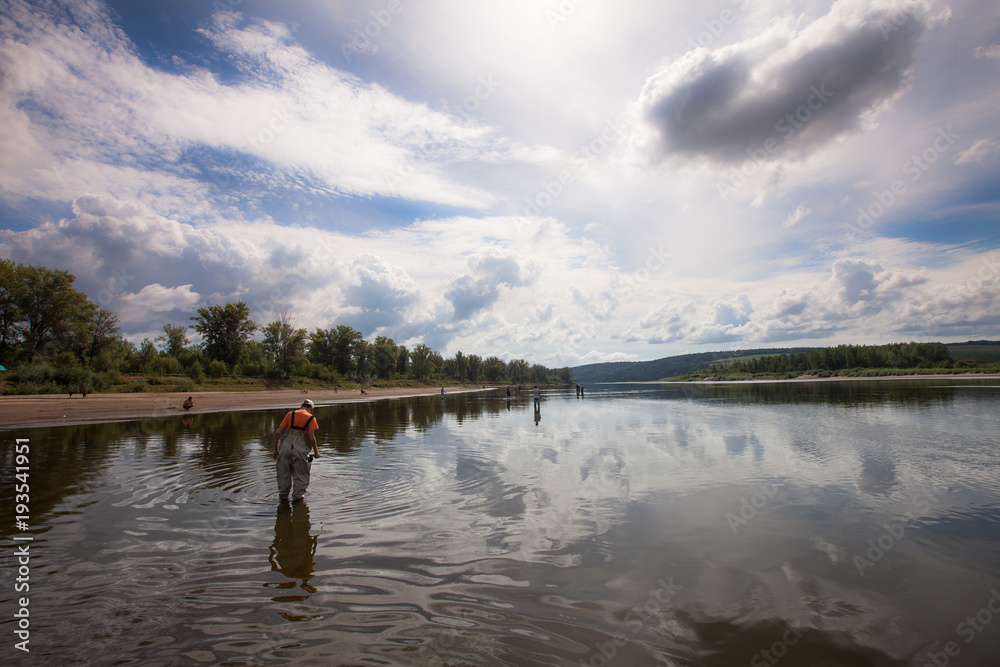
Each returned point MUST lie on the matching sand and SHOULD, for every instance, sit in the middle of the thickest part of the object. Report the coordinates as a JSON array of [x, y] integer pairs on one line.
[[61, 410]]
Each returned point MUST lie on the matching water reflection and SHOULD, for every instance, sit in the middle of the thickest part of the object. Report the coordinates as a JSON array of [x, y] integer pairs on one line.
[[461, 530], [293, 551]]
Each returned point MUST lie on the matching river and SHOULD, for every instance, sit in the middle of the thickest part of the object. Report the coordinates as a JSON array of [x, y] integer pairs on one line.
[[799, 523]]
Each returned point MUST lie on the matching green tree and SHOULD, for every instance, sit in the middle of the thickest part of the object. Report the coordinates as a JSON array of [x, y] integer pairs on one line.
[[43, 308], [146, 354], [225, 330], [174, 338], [421, 363], [103, 333], [494, 369], [284, 342], [474, 368], [321, 347], [402, 360], [345, 343], [11, 320], [461, 366], [384, 354], [518, 370]]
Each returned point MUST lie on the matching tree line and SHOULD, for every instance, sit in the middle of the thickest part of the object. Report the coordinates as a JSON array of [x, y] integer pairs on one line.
[[54, 335], [843, 357]]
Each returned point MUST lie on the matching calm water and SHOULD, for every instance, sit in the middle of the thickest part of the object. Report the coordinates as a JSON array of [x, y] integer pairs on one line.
[[855, 523]]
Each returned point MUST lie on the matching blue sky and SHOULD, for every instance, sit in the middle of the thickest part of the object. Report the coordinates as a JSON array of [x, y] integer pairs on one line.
[[566, 181]]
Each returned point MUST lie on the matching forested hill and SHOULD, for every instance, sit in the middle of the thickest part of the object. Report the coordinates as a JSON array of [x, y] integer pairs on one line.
[[760, 360], [647, 371]]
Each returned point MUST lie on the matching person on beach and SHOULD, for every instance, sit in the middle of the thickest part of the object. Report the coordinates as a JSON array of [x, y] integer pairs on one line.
[[71, 391], [189, 403], [292, 441]]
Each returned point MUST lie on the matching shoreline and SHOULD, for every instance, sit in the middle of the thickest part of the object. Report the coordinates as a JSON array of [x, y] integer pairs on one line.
[[816, 378], [46, 410]]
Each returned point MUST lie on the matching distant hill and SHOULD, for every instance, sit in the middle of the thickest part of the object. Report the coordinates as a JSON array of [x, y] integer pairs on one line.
[[648, 371], [982, 351]]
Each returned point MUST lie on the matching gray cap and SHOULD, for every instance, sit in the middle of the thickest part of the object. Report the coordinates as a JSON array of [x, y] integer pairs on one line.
[[307, 403]]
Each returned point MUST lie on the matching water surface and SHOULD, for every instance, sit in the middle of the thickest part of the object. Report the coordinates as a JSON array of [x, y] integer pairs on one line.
[[849, 523]]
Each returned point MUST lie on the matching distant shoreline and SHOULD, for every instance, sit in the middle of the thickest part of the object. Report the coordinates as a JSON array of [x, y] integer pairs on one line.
[[40, 411], [816, 378]]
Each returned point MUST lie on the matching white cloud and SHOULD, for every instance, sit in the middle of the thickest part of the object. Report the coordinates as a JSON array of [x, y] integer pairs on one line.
[[309, 123], [293, 178], [978, 152], [155, 299], [796, 217]]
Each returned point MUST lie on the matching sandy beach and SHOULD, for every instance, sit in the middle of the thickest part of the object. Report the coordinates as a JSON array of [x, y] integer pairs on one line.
[[61, 410]]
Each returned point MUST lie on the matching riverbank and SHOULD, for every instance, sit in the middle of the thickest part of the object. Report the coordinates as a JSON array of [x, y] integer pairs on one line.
[[840, 378], [61, 410]]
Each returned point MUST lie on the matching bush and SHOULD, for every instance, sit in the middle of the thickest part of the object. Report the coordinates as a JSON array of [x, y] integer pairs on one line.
[[186, 387], [138, 386], [217, 369], [196, 373], [43, 374], [250, 370], [32, 389], [165, 365]]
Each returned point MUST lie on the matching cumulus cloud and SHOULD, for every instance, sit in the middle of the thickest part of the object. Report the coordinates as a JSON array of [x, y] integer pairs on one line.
[[856, 295], [135, 308], [786, 92], [150, 267], [378, 294], [490, 272]]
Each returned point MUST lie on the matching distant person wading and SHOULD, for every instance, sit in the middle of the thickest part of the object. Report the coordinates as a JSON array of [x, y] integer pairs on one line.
[[292, 442]]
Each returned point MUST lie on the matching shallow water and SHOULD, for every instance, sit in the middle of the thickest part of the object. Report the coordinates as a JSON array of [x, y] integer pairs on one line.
[[851, 523]]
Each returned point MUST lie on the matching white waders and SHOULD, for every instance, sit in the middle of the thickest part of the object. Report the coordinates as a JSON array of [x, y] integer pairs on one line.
[[293, 464]]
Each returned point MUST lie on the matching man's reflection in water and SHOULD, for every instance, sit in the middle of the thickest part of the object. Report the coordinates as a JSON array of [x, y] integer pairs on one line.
[[538, 415], [294, 549]]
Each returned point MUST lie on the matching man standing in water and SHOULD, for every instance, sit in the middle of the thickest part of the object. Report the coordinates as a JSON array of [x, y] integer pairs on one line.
[[296, 436]]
